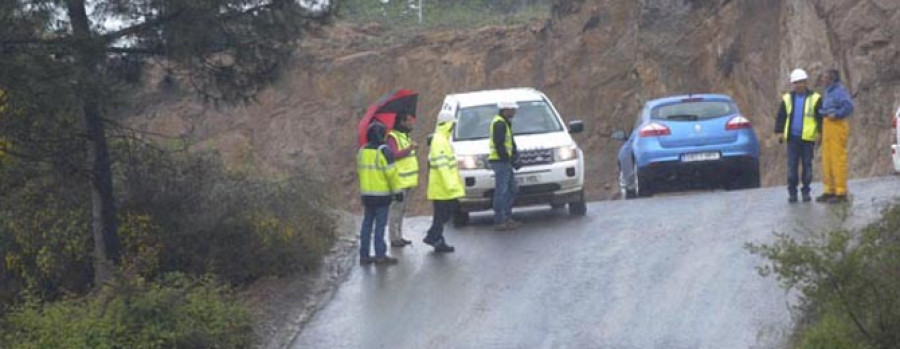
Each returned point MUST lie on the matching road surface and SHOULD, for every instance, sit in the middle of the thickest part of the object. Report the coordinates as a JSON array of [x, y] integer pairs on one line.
[[663, 272]]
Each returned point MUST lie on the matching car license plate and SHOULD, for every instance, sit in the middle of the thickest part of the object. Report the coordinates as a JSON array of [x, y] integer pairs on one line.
[[526, 180], [695, 157]]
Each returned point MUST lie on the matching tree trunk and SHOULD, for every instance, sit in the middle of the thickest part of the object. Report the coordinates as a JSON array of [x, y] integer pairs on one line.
[[103, 217]]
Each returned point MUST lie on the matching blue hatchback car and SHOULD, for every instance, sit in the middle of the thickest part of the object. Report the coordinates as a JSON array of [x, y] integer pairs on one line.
[[694, 138]]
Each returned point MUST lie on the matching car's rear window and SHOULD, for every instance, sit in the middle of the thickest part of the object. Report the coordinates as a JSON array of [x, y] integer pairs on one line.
[[695, 110]]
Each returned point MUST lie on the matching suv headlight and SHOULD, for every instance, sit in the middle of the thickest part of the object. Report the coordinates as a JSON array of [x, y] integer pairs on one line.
[[471, 162], [566, 153]]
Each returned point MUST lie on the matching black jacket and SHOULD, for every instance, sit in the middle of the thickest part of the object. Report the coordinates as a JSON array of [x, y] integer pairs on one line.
[[782, 118], [499, 139]]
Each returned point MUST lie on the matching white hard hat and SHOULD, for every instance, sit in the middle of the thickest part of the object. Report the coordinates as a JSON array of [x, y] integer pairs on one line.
[[798, 75], [507, 105], [445, 116]]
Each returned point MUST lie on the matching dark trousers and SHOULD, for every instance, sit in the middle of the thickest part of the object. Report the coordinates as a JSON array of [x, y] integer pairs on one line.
[[800, 153], [376, 215], [443, 212]]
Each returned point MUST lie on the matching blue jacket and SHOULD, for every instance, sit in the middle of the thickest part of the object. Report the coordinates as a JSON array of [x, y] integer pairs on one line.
[[837, 101]]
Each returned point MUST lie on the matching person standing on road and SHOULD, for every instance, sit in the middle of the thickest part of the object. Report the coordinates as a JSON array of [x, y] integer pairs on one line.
[[502, 159], [799, 124], [377, 186], [836, 107], [404, 151], [445, 185]]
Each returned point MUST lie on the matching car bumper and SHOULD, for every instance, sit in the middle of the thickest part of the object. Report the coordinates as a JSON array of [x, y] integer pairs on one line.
[[555, 184], [723, 169]]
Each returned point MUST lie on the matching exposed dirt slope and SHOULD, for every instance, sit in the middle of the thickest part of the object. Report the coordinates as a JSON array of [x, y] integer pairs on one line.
[[598, 60]]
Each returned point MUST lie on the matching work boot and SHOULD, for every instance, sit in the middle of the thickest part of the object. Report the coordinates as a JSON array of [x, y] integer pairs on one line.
[[792, 199], [443, 247], [806, 197], [824, 198], [505, 226], [386, 260], [400, 243], [366, 260], [838, 199], [430, 241]]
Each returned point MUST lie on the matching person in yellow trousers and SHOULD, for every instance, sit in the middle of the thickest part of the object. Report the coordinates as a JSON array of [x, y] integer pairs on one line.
[[445, 185], [404, 150], [378, 187], [836, 108]]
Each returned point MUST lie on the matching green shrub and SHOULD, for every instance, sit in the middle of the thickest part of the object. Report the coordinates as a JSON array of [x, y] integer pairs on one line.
[[131, 313], [849, 284]]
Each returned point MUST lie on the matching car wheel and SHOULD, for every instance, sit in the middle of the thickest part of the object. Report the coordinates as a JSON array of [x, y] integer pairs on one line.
[[747, 179], [460, 219], [624, 192], [578, 208], [641, 184]]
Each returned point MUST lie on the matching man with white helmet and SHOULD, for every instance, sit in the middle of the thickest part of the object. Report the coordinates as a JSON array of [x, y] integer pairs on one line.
[[799, 123], [445, 185], [503, 161]]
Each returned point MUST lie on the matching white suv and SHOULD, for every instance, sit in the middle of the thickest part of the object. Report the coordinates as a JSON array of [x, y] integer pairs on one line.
[[895, 148], [552, 170]]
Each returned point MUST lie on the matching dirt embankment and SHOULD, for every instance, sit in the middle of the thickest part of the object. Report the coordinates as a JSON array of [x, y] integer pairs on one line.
[[598, 60]]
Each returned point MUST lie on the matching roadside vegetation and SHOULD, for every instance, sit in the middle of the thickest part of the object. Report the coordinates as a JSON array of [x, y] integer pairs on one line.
[[848, 282], [190, 231]]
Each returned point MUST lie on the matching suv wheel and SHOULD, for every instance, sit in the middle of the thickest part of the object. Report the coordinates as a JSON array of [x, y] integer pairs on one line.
[[578, 208]]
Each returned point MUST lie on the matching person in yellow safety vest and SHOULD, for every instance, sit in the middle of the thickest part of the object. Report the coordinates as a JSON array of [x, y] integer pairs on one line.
[[404, 151], [445, 185], [837, 106], [799, 124], [503, 160], [378, 185]]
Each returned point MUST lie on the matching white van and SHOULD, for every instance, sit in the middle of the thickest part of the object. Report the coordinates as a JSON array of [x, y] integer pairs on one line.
[[552, 170]]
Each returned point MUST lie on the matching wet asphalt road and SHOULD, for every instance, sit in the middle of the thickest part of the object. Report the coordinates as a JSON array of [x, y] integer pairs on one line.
[[664, 272]]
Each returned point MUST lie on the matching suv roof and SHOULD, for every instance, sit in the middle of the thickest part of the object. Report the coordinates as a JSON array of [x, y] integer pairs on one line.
[[477, 98]]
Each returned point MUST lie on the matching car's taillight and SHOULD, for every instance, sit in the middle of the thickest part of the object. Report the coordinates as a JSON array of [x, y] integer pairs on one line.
[[654, 129], [738, 123]]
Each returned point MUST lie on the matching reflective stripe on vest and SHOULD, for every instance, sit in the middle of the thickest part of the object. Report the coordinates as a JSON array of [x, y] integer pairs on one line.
[[408, 167], [810, 131], [374, 172], [508, 143]]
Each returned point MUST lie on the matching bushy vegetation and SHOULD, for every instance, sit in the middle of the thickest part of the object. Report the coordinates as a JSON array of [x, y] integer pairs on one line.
[[181, 213], [456, 14], [174, 312], [848, 282]]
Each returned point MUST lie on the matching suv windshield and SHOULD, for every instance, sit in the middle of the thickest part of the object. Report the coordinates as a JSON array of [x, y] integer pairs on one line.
[[532, 117], [692, 111]]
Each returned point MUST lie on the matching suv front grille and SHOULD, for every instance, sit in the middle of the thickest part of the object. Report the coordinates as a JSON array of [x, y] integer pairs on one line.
[[535, 157]]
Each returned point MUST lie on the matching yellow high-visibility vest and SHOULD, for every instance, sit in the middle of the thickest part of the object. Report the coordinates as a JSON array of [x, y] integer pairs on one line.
[[408, 167], [376, 176], [444, 180], [508, 143], [810, 129]]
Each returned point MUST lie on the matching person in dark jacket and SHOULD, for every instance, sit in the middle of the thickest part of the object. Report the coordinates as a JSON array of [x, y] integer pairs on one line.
[[502, 159], [378, 184], [799, 123], [836, 108]]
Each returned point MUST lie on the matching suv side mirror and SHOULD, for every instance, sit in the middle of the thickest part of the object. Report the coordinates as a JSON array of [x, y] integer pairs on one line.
[[619, 135], [576, 126]]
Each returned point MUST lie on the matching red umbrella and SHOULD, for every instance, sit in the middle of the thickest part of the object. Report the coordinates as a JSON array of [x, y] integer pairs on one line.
[[385, 110]]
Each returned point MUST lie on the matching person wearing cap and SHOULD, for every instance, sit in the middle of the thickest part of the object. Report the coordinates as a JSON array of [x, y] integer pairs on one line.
[[445, 185], [502, 159], [404, 152], [837, 106], [378, 186], [799, 124]]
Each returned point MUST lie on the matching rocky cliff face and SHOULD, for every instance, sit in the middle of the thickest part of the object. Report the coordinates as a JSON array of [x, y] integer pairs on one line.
[[599, 60]]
